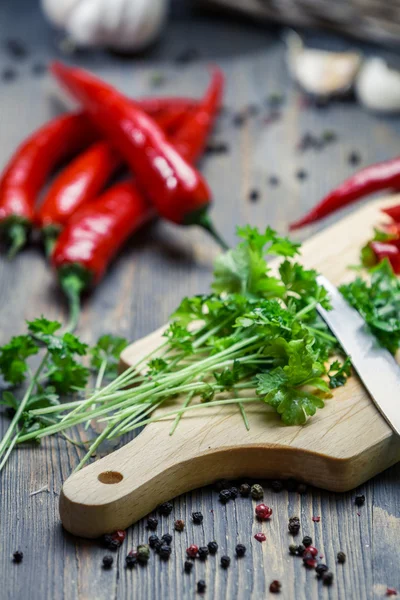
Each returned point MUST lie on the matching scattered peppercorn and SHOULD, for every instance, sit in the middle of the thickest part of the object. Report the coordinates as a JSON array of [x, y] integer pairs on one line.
[[359, 500], [152, 523], [212, 547], [244, 490], [327, 578], [165, 552], [18, 556], [197, 518], [225, 562], [16, 48], [301, 174], [224, 496], [153, 539], [273, 180], [315, 519], [240, 550], [234, 493], [165, 508], [119, 535], [8, 74], [320, 569], [276, 485], [107, 538], [263, 512], [312, 551], [201, 586], [301, 488], [167, 538], [260, 537], [308, 560], [257, 492], [275, 587], [300, 550], [114, 545], [341, 557], [275, 99], [39, 69], [307, 541], [192, 551], [131, 559], [188, 566], [391, 591], [293, 549], [329, 136], [143, 553], [239, 120], [107, 561], [294, 525], [179, 525], [354, 158], [157, 545], [217, 148], [203, 552], [254, 195]]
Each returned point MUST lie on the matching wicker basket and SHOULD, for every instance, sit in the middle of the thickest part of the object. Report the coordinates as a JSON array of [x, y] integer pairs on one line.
[[377, 20]]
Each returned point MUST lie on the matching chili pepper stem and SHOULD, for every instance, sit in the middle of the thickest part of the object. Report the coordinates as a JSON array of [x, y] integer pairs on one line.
[[206, 223], [72, 286], [17, 237], [50, 235]]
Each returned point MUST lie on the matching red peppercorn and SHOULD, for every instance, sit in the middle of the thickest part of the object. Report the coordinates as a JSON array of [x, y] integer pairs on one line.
[[192, 551], [391, 591], [309, 561], [316, 519], [263, 512], [311, 550], [260, 537], [119, 535]]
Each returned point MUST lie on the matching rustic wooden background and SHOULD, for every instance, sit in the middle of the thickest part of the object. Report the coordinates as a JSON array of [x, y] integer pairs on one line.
[[155, 270]]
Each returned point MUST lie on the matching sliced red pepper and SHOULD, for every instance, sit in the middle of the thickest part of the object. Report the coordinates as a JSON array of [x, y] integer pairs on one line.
[[384, 175], [176, 189], [387, 250]]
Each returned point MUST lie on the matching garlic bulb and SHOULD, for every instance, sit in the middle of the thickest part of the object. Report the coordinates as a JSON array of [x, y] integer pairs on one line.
[[319, 72], [128, 25], [378, 86]]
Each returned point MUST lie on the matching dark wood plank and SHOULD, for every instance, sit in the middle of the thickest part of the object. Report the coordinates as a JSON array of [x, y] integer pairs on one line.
[[137, 295]]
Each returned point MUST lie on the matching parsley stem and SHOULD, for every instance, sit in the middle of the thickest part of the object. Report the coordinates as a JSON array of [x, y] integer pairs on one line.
[[9, 450], [179, 415]]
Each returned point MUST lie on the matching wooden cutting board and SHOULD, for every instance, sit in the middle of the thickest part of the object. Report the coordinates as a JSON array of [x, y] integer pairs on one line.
[[342, 446]]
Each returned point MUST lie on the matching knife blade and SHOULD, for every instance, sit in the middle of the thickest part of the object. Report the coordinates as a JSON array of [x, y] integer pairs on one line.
[[376, 367]]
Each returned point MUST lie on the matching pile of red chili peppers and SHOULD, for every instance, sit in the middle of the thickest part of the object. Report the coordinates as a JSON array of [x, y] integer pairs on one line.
[[83, 224]]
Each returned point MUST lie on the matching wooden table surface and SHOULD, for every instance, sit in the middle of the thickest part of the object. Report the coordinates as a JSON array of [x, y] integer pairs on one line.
[[147, 281]]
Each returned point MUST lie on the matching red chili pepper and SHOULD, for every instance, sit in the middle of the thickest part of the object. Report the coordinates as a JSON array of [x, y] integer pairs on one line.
[[387, 250], [84, 178], [393, 212], [372, 179], [177, 190]]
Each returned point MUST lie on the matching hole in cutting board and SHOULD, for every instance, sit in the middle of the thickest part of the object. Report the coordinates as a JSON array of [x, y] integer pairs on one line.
[[110, 477]]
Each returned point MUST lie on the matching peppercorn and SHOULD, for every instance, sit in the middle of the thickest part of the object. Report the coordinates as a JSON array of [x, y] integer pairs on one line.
[[18, 556], [312, 551], [301, 174], [119, 535], [307, 541], [216, 148], [153, 539], [244, 490], [301, 488], [239, 120], [188, 566], [165, 552], [254, 195], [273, 180], [222, 484], [275, 587], [107, 539], [114, 545], [197, 518], [390, 591], [276, 485], [143, 553], [291, 484], [320, 569], [224, 496], [225, 562], [167, 538], [293, 549], [341, 557], [39, 69], [203, 552], [354, 158], [329, 136], [131, 559], [275, 99], [308, 560], [359, 500], [107, 561], [257, 492], [8, 74], [212, 547], [152, 523], [187, 56], [300, 550], [263, 512], [16, 48], [165, 508], [192, 551], [240, 550], [234, 493], [294, 527], [157, 545], [327, 578], [201, 586], [179, 525]]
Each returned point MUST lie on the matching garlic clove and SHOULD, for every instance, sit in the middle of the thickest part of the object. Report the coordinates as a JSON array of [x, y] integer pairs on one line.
[[378, 86], [319, 72]]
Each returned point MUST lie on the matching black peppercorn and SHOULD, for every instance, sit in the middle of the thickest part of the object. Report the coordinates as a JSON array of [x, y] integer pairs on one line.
[[359, 500], [327, 578], [234, 492], [157, 545], [201, 586], [165, 508], [114, 545], [165, 552], [294, 526], [8, 74], [307, 541], [224, 496], [354, 158], [143, 553], [203, 552], [275, 587], [18, 556], [107, 539], [188, 566], [291, 485], [301, 488], [320, 569], [212, 547], [273, 180], [39, 69], [240, 550], [131, 559], [276, 485], [239, 120], [216, 148], [341, 557], [222, 484], [197, 518], [293, 549], [179, 525], [152, 523], [153, 540], [300, 550], [244, 490], [16, 48], [254, 195], [301, 174], [107, 561], [225, 562], [257, 492], [167, 538]]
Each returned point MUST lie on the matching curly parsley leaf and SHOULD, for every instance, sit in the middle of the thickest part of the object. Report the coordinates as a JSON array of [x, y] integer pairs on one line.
[[13, 358], [66, 374], [107, 349], [339, 373]]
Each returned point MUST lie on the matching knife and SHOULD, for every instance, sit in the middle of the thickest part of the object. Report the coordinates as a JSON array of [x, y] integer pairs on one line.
[[376, 367]]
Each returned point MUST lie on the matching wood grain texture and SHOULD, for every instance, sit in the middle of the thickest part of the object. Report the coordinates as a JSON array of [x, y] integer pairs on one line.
[[146, 283]]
